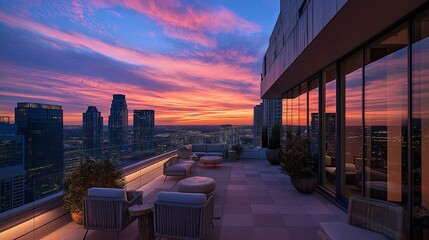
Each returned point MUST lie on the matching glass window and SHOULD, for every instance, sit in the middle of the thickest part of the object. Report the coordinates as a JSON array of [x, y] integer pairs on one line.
[[303, 108], [351, 75], [420, 125], [330, 111], [313, 113], [386, 116]]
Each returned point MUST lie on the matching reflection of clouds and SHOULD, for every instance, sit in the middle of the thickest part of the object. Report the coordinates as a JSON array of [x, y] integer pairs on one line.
[[420, 78], [386, 89], [354, 98], [331, 95]]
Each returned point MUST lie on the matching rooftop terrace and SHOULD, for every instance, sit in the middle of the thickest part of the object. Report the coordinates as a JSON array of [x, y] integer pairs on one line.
[[253, 200]]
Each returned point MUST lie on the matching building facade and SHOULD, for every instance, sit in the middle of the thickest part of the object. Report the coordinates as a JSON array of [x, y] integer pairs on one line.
[[355, 76], [92, 132], [118, 126], [144, 131], [42, 127], [258, 113], [12, 171]]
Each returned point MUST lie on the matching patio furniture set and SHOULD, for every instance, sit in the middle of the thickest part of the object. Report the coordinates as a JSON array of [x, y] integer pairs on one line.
[[183, 214]]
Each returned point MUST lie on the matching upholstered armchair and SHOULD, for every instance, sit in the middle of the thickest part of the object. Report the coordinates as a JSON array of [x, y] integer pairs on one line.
[[182, 215], [106, 209], [367, 218]]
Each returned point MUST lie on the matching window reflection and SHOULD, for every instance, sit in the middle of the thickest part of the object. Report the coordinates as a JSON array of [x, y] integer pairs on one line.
[[420, 125], [329, 77], [386, 117], [351, 70]]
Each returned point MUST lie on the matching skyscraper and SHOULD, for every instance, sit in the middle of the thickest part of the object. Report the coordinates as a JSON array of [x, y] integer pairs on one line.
[[12, 172], [92, 132], [272, 114], [144, 131], [42, 127], [258, 113], [118, 125]]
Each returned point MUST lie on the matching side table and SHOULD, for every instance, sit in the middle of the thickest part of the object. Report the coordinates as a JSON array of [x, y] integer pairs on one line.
[[194, 158], [144, 214], [232, 155]]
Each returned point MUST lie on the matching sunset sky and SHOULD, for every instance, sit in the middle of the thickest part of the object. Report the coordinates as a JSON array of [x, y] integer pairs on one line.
[[192, 61]]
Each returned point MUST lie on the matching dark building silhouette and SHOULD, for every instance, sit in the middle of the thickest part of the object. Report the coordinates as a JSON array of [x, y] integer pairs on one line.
[[92, 132], [42, 127], [118, 126], [144, 131], [258, 115], [12, 172]]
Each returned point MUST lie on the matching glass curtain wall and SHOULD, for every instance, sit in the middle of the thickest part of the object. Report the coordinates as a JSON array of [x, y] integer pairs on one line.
[[313, 113], [386, 109], [351, 161], [330, 111], [303, 123], [420, 125]]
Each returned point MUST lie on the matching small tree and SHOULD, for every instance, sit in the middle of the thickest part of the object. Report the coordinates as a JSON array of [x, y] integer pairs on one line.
[[92, 173], [297, 161], [275, 137]]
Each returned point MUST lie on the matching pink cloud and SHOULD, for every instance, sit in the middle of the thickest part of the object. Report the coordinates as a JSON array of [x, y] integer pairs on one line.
[[186, 22]]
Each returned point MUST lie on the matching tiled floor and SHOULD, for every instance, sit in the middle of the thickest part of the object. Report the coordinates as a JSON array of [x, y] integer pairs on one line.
[[253, 200]]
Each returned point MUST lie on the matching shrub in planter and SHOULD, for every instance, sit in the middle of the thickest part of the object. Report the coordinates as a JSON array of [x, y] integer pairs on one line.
[[100, 173], [297, 162], [237, 148], [273, 153]]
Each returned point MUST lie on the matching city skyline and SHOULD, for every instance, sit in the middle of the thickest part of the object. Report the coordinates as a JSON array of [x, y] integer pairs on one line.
[[175, 57]]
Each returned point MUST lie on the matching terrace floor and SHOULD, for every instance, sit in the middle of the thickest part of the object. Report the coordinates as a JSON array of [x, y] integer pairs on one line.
[[253, 200]]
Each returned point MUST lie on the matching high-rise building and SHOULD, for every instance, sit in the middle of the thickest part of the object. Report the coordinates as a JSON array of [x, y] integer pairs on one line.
[[42, 127], [144, 131], [12, 172], [258, 114], [272, 115], [118, 126], [363, 80], [92, 132]]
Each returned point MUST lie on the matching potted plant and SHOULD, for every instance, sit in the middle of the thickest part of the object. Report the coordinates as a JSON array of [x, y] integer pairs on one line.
[[237, 148], [92, 173], [298, 164], [273, 152]]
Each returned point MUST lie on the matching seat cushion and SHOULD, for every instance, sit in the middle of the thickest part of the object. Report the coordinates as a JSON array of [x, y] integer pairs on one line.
[[214, 148], [340, 231], [199, 153], [107, 192], [199, 148], [180, 167], [177, 197], [214, 154]]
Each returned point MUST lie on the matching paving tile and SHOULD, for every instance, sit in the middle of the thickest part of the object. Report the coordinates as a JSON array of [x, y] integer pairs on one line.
[[268, 220], [272, 233], [237, 208], [291, 209], [327, 218], [304, 233], [264, 208], [299, 220], [237, 220]]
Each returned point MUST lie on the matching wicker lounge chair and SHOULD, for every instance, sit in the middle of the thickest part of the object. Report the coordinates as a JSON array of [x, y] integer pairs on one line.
[[182, 215], [367, 219], [106, 209]]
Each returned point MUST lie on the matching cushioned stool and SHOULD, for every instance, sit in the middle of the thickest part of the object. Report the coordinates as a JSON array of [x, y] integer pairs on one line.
[[196, 185]]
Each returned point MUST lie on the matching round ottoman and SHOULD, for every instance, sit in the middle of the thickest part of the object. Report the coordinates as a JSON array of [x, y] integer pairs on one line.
[[211, 160], [196, 185]]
